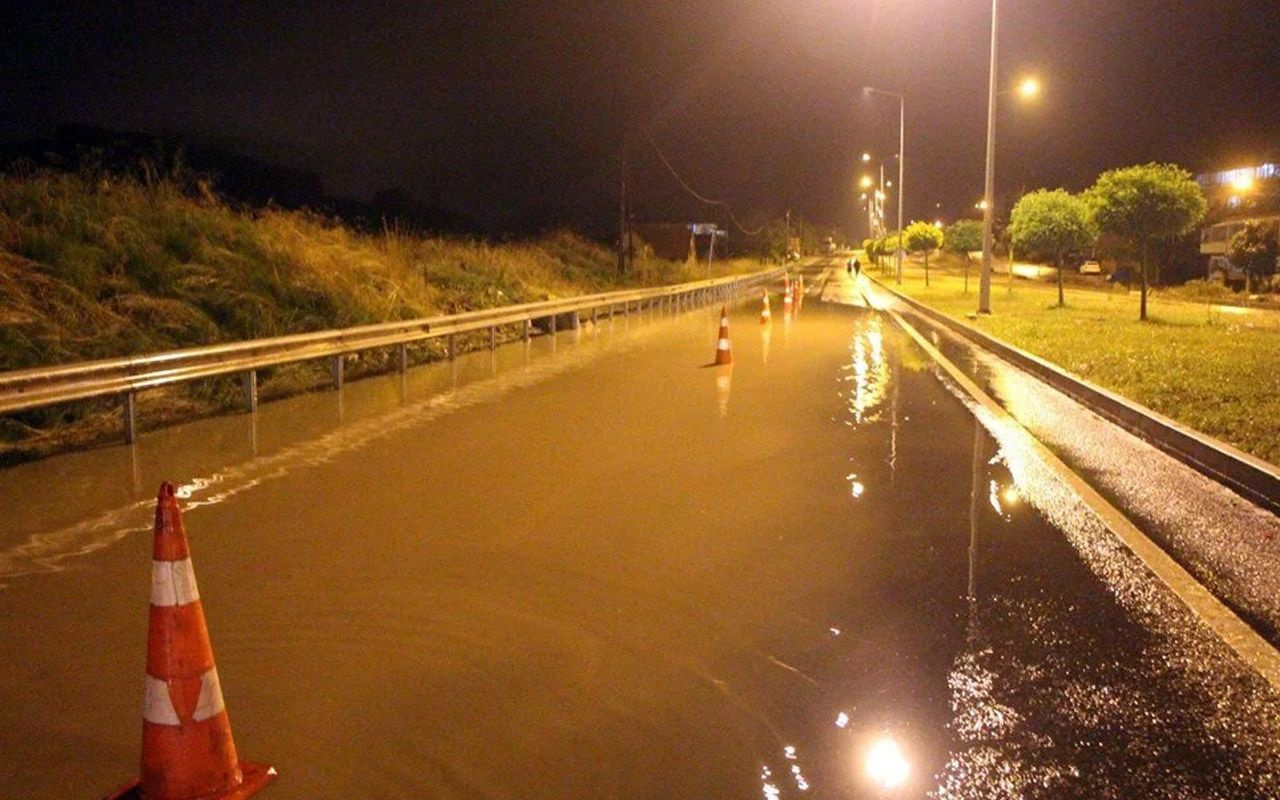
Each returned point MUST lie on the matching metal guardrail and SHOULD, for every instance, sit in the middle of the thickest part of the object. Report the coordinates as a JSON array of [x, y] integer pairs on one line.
[[1248, 476], [26, 389]]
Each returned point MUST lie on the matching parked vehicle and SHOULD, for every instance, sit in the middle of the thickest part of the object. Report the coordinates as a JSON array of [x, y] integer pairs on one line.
[[1091, 267]]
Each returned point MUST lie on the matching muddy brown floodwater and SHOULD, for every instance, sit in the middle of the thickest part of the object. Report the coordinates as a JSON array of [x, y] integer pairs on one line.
[[593, 567]]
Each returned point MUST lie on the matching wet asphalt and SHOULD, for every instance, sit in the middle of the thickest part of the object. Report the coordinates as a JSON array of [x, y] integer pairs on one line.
[[593, 566]]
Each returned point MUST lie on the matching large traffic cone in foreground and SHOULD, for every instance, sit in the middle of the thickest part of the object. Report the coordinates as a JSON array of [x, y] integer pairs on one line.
[[187, 751], [724, 354], [765, 316]]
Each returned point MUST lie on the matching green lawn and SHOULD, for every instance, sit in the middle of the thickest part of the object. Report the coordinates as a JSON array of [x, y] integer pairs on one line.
[[1210, 367]]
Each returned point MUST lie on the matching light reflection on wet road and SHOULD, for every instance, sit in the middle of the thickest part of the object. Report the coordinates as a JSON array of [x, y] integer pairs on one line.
[[606, 570]]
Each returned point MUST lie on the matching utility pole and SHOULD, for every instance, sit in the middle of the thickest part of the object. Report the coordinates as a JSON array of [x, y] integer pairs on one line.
[[624, 226], [786, 239]]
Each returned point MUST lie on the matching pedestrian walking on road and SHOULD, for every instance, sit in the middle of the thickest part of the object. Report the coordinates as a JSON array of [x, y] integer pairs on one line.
[[857, 268], [848, 266]]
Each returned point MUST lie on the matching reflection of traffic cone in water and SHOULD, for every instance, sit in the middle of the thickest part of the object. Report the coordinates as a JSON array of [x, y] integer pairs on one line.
[[765, 316], [724, 355], [723, 383], [187, 751]]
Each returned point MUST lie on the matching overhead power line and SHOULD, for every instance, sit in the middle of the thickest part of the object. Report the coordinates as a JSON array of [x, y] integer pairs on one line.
[[693, 192]]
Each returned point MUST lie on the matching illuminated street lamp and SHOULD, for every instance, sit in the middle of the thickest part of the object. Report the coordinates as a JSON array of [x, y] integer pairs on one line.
[[1029, 88], [902, 158]]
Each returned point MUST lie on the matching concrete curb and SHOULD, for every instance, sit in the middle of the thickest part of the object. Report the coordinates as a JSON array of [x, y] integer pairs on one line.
[[1249, 476], [1237, 634]]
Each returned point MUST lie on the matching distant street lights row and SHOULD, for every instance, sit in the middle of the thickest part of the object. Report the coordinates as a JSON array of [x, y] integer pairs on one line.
[[902, 158]]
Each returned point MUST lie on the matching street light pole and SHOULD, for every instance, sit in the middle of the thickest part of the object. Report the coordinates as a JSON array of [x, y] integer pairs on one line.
[[988, 212], [902, 159]]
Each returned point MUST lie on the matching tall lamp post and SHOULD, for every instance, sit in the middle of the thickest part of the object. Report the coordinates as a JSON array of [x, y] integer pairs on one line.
[[902, 159], [988, 191], [1028, 89]]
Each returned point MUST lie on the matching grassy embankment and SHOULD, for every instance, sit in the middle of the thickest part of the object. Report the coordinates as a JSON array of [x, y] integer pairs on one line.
[[104, 268], [1209, 366]]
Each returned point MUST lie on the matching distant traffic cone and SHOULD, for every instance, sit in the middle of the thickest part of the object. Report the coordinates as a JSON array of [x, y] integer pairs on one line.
[[765, 316], [786, 298], [724, 354], [187, 750]]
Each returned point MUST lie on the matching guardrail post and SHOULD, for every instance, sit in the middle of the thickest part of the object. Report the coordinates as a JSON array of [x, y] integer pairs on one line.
[[453, 346], [403, 357], [528, 324], [553, 324], [337, 372], [493, 337], [595, 312], [251, 390], [129, 407]]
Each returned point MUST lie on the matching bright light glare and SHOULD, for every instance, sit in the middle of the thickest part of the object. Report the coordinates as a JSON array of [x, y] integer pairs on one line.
[[866, 157], [886, 765], [866, 182], [1243, 184], [1029, 88], [937, 223], [1010, 495], [981, 204]]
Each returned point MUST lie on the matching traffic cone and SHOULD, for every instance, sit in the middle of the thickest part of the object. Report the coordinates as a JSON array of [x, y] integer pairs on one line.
[[765, 316], [724, 355], [786, 298], [187, 750]]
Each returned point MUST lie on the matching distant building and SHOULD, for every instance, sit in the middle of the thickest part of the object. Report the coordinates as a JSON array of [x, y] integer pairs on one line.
[[1236, 197], [675, 241], [668, 240]]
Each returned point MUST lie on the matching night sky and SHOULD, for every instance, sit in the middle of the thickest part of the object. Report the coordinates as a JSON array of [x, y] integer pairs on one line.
[[516, 113]]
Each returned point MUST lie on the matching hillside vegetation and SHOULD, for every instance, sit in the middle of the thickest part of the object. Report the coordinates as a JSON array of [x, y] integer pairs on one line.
[[96, 267]]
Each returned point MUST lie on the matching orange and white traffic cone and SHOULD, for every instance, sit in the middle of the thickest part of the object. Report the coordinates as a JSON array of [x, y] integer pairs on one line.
[[786, 298], [765, 315], [724, 354], [187, 750]]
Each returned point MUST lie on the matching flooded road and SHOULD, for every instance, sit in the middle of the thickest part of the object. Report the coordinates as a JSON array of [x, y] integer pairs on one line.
[[592, 566]]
